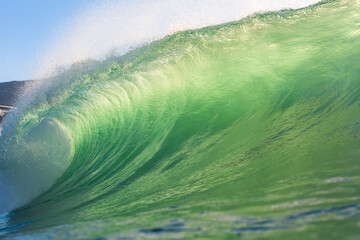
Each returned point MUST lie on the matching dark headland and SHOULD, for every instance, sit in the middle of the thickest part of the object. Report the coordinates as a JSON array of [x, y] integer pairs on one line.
[[10, 92]]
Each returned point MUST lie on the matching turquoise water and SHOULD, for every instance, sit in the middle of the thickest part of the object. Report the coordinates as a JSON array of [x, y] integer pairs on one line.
[[244, 130]]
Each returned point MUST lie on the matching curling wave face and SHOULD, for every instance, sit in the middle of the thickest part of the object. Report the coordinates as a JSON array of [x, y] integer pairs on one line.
[[249, 128]]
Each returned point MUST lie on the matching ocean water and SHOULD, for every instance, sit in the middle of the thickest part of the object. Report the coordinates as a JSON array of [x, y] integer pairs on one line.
[[243, 130]]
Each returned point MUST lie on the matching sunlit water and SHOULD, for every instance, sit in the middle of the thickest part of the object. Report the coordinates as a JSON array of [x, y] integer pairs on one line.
[[249, 129]]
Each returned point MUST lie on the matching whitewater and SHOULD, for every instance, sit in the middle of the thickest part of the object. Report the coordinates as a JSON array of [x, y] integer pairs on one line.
[[183, 119]]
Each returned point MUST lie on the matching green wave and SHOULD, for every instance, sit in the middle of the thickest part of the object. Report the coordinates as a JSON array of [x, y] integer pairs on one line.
[[246, 129]]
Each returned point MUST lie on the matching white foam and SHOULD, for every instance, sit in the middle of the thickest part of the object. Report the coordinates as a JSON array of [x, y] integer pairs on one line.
[[29, 167], [115, 27]]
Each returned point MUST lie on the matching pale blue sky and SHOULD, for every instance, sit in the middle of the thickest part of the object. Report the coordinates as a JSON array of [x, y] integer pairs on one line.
[[25, 28]]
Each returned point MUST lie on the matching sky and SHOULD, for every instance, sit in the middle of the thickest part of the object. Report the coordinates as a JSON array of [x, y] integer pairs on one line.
[[26, 26]]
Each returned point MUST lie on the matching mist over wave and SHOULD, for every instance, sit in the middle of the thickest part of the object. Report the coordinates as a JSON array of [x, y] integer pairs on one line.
[[108, 28]]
